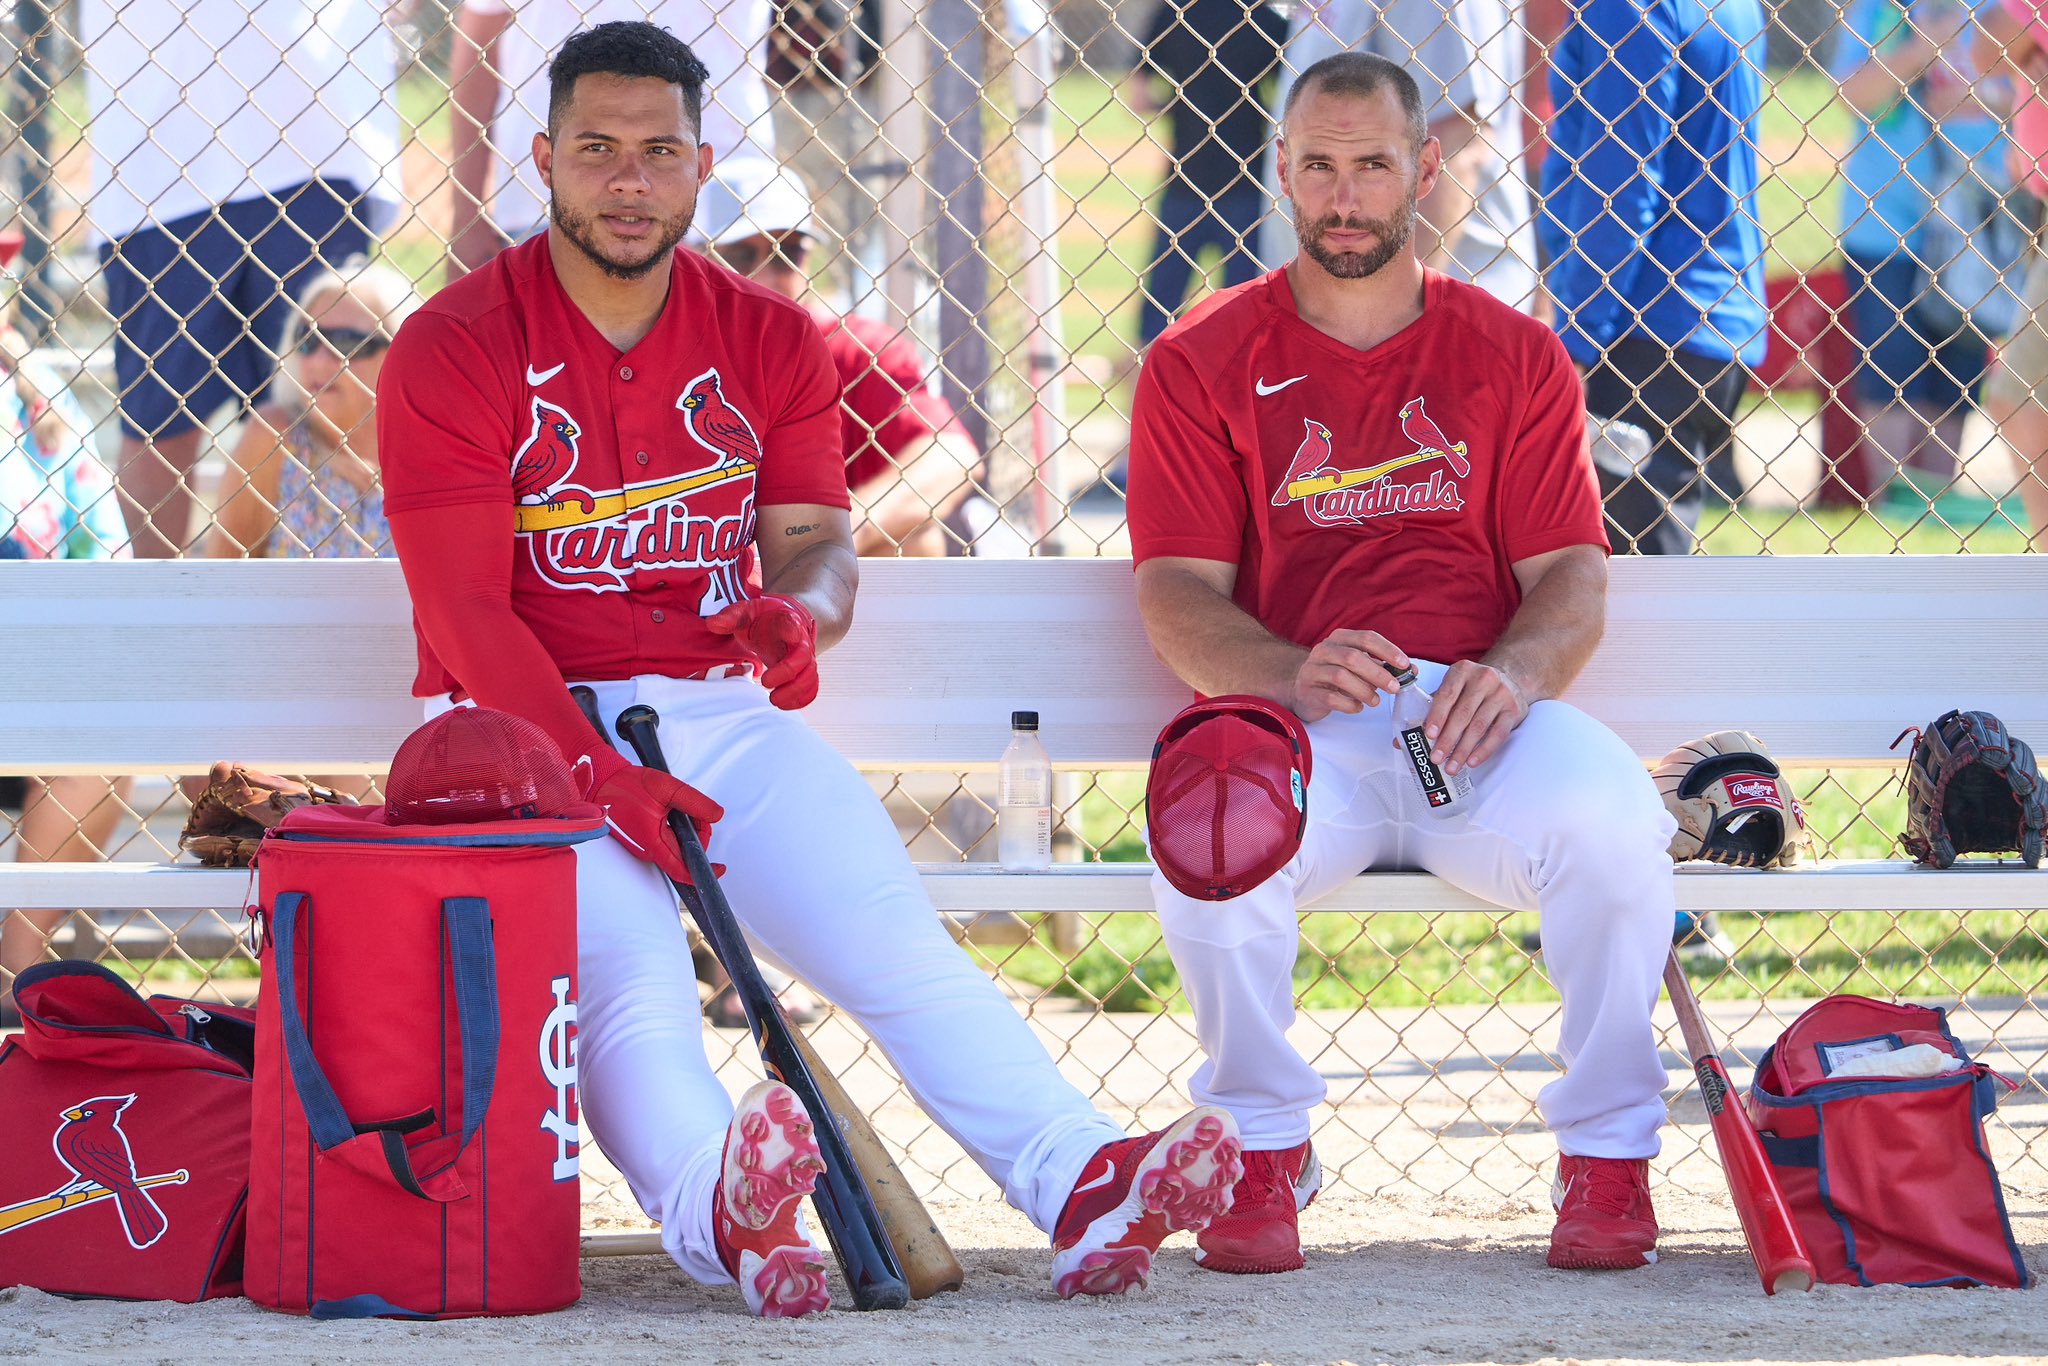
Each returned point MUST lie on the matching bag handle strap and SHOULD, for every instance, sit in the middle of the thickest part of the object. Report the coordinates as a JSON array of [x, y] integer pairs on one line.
[[424, 1167]]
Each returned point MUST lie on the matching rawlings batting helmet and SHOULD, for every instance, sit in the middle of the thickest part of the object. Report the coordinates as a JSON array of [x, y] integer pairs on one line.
[[1227, 798], [475, 764]]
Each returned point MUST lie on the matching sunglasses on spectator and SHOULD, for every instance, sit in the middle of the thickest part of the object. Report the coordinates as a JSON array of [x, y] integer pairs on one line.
[[750, 254], [345, 342]]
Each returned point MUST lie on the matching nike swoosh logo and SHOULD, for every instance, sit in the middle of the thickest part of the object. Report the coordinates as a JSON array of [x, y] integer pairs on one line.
[[536, 378], [1264, 388], [1108, 1175]]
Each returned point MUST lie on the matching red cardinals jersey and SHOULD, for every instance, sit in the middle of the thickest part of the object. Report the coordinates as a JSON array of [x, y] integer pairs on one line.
[[885, 400], [1388, 490], [633, 478]]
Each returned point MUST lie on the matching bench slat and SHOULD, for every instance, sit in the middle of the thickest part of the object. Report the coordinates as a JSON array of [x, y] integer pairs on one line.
[[969, 887], [304, 666]]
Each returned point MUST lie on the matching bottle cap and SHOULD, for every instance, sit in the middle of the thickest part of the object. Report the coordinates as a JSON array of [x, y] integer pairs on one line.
[[1403, 677], [1023, 720]]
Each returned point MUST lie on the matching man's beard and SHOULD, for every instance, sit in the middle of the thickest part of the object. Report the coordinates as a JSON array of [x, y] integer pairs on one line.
[[580, 231], [1390, 235]]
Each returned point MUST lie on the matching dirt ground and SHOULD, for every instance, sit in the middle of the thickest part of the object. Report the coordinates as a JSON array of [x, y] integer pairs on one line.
[[1389, 1279], [1427, 1248]]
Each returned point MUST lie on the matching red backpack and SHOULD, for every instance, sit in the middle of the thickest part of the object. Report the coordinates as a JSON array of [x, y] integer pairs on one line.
[[1881, 1156], [124, 1140], [415, 1139]]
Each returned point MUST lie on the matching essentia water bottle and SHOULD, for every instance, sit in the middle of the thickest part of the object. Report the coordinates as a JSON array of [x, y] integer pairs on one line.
[[1024, 799], [1443, 793]]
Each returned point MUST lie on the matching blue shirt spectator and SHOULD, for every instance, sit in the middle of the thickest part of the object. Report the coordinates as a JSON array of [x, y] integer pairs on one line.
[[1649, 209], [57, 499]]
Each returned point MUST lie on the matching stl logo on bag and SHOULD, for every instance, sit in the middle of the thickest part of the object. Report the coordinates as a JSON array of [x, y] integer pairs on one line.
[[558, 1065], [93, 1149]]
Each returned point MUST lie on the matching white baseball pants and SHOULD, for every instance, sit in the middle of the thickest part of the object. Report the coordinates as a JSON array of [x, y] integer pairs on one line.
[[819, 879], [1564, 821]]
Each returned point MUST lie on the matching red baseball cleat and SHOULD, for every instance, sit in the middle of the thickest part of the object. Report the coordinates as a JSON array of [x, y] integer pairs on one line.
[[1604, 1219], [1134, 1192], [1262, 1232], [771, 1163]]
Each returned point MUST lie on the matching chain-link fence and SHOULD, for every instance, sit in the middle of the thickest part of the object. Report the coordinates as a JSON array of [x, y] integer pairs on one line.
[[1010, 200]]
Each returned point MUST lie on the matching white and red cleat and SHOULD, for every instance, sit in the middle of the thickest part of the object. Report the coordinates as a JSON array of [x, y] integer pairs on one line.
[[1134, 1192], [1262, 1232], [771, 1163], [1604, 1219]]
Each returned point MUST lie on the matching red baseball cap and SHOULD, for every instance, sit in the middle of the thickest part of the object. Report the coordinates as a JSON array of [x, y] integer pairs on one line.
[[1227, 799]]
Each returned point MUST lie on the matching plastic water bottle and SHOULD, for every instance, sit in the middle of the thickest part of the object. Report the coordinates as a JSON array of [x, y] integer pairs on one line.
[[1024, 799], [1443, 793]]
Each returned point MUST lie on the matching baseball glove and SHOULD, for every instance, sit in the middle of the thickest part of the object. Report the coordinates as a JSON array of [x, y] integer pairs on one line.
[[1971, 787], [1732, 803], [239, 804]]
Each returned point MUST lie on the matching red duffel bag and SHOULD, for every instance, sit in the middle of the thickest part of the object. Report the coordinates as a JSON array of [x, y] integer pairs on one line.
[[124, 1140], [415, 1149], [1872, 1116]]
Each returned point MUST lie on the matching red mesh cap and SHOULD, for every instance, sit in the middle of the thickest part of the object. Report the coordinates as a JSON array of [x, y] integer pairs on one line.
[[1227, 799], [475, 764]]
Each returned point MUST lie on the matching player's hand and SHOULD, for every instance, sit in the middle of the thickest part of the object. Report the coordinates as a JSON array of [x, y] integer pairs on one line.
[[1347, 672], [636, 804], [781, 633], [1476, 707]]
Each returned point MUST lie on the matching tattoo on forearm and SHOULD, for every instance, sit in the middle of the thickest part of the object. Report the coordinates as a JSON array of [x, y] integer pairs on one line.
[[803, 530]]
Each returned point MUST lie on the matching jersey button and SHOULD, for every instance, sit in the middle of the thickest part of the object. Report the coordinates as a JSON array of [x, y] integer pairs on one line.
[[625, 372], [640, 456], [656, 616]]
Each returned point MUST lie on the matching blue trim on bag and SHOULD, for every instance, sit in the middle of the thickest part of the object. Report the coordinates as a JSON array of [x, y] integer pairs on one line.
[[363, 1307], [467, 928], [508, 840], [1791, 1152]]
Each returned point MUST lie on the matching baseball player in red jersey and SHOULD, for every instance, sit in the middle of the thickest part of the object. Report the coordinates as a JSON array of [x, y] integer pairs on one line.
[[1341, 468], [615, 464]]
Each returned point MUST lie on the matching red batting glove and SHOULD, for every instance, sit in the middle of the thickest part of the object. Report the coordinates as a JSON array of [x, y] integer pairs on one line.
[[781, 633], [636, 804]]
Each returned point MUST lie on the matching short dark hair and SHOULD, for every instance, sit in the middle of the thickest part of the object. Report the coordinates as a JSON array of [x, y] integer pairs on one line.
[[626, 48], [1361, 74]]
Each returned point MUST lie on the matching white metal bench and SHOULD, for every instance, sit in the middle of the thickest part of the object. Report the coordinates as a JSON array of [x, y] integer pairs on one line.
[[303, 667]]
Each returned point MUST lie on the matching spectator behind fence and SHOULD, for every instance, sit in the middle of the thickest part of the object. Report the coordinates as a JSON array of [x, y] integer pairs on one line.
[[1212, 57], [57, 502], [1467, 58], [825, 129], [1422, 496], [2017, 395], [1925, 234], [238, 147], [302, 481], [910, 466], [498, 81], [1649, 231]]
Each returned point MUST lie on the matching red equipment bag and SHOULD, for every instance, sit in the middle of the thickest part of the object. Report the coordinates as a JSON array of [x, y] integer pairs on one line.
[[1872, 1116], [415, 1142], [124, 1140]]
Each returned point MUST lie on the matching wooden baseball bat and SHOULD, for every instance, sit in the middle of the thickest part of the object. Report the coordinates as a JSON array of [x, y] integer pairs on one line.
[[1767, 1225], [852, 1223]]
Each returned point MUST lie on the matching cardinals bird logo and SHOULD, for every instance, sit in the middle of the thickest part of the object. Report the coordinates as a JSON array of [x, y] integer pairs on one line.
[[1334, 496], [716, 423], [547, 458], [90, 1143]]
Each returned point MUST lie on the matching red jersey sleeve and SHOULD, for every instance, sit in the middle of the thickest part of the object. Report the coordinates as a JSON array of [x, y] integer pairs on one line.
[[1186, 485], [800, 450], [892, 406], [1550, 496], [442, 429]]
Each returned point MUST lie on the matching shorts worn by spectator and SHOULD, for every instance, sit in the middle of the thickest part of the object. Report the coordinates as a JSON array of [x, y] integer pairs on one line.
[[2015, 34], [238, 147], [1352, 465], [1650, 233]]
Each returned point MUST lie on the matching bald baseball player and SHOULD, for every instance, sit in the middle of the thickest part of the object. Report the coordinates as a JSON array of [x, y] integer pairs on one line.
[[614, 464], [1348, 466]]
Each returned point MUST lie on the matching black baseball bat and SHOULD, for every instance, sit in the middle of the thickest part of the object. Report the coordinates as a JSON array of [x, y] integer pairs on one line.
[[852, 1224]]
